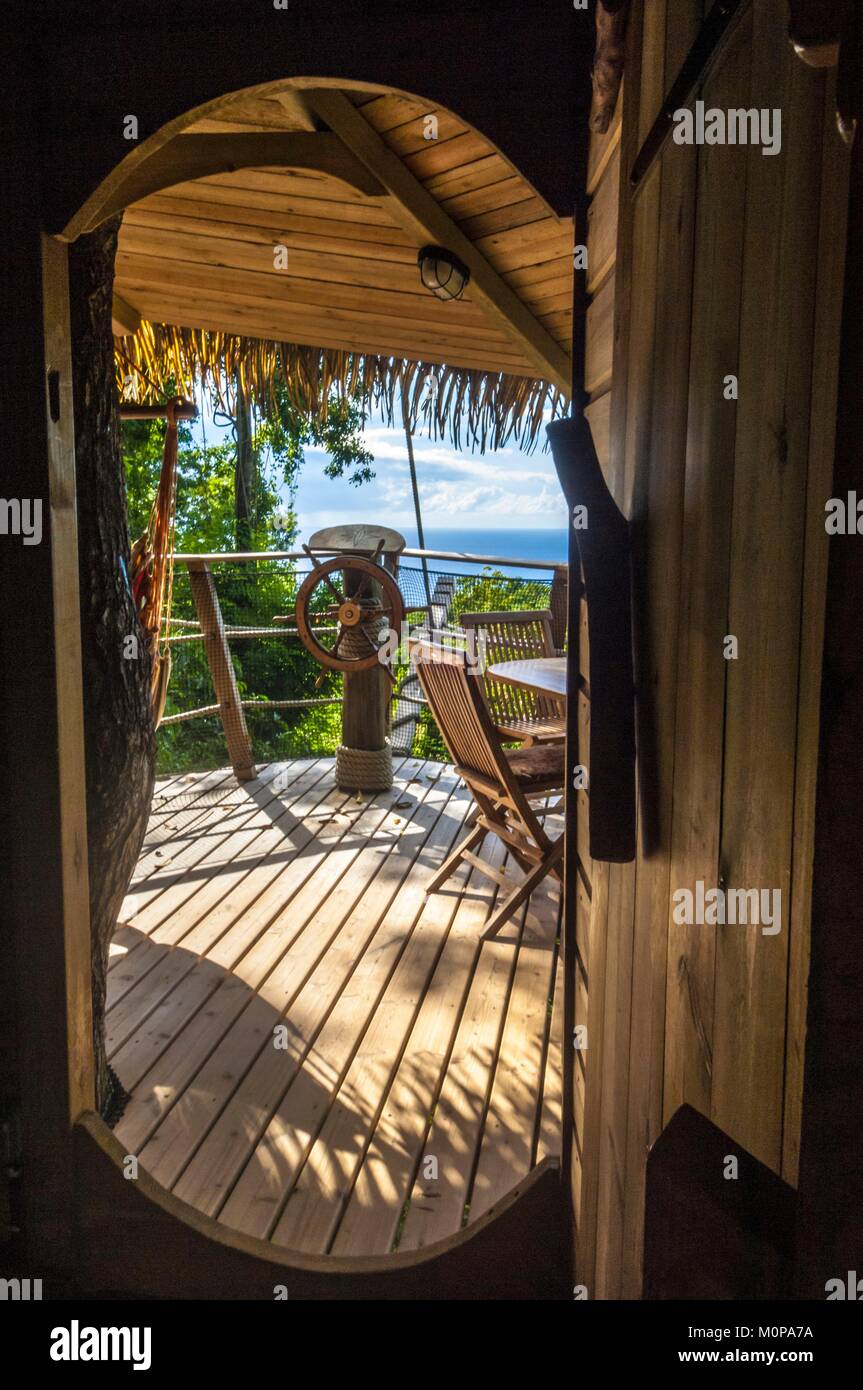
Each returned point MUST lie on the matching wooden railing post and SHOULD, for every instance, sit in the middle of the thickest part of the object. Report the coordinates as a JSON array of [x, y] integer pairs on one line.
[[558, 603], [222, 670]]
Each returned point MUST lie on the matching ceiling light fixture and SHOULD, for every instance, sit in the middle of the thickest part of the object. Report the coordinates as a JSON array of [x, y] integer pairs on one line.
[[442, 272]]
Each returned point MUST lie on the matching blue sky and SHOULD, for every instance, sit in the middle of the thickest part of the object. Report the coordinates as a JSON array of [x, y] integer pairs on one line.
[[459, 490]]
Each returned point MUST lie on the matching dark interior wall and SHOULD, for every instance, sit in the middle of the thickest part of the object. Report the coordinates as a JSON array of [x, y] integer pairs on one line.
[[517, 71], [42, 1019], [831, 1162]]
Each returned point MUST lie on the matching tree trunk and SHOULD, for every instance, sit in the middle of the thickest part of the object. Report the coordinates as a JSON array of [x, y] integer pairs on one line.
[[118, 722], [245, 472]]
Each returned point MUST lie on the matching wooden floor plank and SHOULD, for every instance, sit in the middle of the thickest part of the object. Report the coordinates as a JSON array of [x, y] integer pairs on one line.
[[254, 1203], [148, 944], [182, 803], [513, 1108], [314, 1205], [164, 792], [373, 1209], [180, 909], [264, 835], [214, 1041], [551, 1114], [305, 909], [438, 1200], [177, 880], [271, 923], [339, 930]]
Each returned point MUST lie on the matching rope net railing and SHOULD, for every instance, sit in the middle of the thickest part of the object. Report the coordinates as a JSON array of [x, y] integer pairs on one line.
[[293, 705]]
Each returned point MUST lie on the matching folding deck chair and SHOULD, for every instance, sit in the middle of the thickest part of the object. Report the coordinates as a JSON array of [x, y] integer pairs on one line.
[[519, 714], [503, 782]]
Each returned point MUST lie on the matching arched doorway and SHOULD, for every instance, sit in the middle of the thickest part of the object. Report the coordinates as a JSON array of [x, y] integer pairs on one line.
[[530, 336]]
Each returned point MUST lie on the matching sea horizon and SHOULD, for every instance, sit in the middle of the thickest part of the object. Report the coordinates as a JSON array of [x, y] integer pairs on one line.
[[546, 545]]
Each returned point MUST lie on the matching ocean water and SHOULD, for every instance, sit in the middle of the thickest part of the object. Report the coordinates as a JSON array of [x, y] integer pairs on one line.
[[525, 545]]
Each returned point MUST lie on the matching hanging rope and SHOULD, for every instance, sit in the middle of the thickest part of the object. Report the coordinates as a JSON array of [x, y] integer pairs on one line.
[[152, 570]]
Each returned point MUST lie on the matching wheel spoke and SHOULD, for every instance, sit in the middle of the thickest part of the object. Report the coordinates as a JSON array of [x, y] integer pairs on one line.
[[333, 590], [363, 585], [322, 575]]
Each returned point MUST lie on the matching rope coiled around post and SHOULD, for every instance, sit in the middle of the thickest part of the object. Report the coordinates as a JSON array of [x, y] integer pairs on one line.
[[364, 769]]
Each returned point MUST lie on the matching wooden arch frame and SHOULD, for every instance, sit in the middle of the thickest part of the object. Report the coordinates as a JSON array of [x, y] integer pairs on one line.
[[348, 150], [115, 191], [111, 193], [199, 156], [520, 1248]]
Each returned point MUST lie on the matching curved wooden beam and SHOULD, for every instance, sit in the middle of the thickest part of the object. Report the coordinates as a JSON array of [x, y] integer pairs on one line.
[[188, 157], [816, 29], [137, 1239], [422, 216], [124, 316]]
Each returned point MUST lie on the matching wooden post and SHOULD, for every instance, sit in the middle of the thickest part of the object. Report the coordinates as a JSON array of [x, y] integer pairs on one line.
[[222, 671], [366, 703], [559, 604]]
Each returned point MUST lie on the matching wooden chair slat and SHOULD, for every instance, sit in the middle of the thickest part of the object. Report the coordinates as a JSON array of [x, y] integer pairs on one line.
[[502, 784], [517, 636]]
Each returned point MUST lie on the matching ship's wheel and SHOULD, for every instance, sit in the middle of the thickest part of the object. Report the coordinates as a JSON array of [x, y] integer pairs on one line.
[[346, 610]]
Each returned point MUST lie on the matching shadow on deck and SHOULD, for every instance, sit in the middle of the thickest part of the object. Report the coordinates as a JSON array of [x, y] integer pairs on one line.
[[317, 1053]]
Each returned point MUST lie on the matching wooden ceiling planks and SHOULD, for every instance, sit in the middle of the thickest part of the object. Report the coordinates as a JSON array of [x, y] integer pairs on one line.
[[201, 254]]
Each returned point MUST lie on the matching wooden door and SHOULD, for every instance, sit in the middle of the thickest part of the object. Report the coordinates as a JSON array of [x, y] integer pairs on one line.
[[728, 281]]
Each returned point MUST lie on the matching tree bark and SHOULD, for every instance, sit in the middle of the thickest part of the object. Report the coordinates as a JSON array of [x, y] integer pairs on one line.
[[118, 721], [245, 471]]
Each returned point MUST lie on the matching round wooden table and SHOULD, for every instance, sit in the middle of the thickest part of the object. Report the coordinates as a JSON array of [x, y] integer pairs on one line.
[[544, 674]]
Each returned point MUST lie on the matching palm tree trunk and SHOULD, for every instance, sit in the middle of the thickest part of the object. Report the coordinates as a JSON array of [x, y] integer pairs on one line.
[[244, 473]]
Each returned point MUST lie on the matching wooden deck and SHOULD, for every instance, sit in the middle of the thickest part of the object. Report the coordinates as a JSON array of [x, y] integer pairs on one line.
[[316, 1053]]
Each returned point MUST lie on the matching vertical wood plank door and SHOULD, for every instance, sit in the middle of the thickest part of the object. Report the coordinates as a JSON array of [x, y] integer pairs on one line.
[[720, 418]]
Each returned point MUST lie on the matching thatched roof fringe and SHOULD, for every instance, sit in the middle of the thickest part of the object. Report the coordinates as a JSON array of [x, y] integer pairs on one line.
[[492, 409]]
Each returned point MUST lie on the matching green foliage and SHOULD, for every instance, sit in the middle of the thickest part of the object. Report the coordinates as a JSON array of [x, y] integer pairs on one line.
[[206, 508], [206, 501], [427, 739], [288, 433], [250, 595], [493, 592]]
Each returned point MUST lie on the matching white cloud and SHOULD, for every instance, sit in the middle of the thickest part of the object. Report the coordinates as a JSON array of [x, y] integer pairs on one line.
[[454, 503], [458, 490]]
